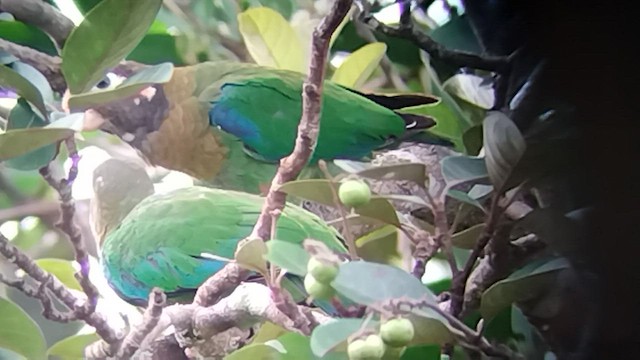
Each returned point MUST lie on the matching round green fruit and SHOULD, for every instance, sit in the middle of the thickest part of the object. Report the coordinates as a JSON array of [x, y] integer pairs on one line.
[[371, 348], [317, 289], [322, 272], [354, 193], [397, 332]]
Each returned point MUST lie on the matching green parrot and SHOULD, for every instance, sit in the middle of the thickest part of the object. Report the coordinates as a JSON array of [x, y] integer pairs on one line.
[[171, 240], [230, 123]]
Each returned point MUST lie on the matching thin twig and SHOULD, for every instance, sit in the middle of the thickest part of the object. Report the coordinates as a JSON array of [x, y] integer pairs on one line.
[[24, 262], [71, 229]]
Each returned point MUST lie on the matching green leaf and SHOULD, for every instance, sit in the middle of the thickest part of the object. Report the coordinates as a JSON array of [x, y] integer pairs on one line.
[[27, 35], [362, 282], [18, 83], [410, 172], [268, 331], [359, 66], [61, 269], [330, 335], [503, 147], [424, 352], [525, 283], [319, 190], [72, 348], [480, 191], [15, 143], [19, 333], [255, 351], [472, 88], [466, 239], [294, 346], [157, 74], [289, 256], [380, 246], [27, 155], [36, 78], [465, 198], [270, 39], [250, 254], [459, 169], [108, 33], [472, 140]]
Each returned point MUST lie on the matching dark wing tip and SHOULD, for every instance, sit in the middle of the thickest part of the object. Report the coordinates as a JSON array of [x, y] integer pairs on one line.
[[414, 122]]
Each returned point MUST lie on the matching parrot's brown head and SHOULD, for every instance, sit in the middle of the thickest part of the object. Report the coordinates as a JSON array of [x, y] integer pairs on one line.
[[133, 118], [165, 122]]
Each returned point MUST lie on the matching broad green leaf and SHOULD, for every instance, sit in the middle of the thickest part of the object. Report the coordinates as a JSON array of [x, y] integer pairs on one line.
[[423, 352], [287, 255], [250, 254], [19, 333], [36, 78], [270, 39], [108, 33], [414, 172], [330, 335], [480, 191], [359, 66], [61, 269], [369, 283], [23, 117], [466, 239], [458, 169], [15, 143], [255, 351], [464, 197], [471, 88], [157, 74], [13, 80], [72, 348], [268, 331], [380, 246], [531, 343], [503, 147], [294, 346], [319, 190], [472, 140], [27, 35], [525, 283], [457, 34]]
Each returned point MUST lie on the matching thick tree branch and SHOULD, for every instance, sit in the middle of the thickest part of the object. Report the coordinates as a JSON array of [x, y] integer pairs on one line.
[[48, 65], [41, 15], [131, 343], [309, 126]]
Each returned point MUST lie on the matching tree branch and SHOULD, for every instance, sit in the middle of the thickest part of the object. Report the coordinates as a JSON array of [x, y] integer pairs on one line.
[[48, 65], [408, 31], [309, 125], [41, 15], [73, 303], [131, 343]]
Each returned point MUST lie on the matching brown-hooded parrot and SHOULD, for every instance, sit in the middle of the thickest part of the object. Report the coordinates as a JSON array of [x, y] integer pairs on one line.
[[230, 123]]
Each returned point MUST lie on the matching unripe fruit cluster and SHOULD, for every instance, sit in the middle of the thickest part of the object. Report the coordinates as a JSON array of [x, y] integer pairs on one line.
[[389, 344], [319, 278]]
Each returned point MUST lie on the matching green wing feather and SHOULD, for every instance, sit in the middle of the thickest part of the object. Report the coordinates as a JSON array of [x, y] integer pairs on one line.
[[162, 241]]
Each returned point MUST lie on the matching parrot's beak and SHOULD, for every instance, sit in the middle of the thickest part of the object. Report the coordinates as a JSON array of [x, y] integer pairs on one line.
[[92, 119]]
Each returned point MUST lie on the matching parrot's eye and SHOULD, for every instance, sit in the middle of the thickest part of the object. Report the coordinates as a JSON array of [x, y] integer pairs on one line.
[[104, 83], [110, 81]]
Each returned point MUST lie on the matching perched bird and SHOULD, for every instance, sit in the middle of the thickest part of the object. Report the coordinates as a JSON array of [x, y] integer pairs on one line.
[[171, 240], [230, 123]]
